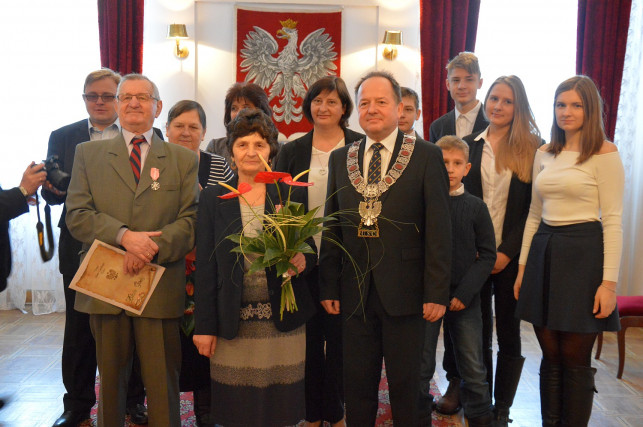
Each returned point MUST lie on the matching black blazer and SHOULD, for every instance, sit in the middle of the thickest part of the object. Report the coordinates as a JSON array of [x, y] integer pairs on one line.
[[518, 200], [63, 142], [219, 273], [294, 156], [12, 204], [445, 125], [410, 263]]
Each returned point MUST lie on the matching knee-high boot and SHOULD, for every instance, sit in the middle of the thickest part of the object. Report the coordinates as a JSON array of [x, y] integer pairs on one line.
[[551, 384], [508, 370], [578, 395], [202, 398]]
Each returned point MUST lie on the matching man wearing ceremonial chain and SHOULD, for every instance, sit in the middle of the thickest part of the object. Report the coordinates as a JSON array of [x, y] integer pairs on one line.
[[391, 192]]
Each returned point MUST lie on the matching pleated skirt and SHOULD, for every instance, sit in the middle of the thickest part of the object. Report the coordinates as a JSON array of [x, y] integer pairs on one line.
[[258, 377], [564, 269]]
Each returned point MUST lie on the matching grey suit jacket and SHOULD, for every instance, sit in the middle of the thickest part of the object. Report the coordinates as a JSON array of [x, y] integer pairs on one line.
[[103, 197]]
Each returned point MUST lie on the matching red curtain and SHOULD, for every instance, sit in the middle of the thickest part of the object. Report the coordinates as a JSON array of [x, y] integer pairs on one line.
[[120, 27], [447, 27], [600, 49]]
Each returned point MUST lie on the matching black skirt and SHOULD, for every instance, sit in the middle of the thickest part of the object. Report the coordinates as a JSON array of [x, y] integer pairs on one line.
[[564, 269]]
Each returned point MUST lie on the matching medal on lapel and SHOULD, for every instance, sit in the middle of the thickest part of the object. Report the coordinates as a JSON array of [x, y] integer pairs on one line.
[[371, 207], [154, 173]]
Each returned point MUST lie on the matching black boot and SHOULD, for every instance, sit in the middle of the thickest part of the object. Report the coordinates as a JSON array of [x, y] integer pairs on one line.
[[508, 370], [578, 395], [202, 407], [485, 420], [551, 384]]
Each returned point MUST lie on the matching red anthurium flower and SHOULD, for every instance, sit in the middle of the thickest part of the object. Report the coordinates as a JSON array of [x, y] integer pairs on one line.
[[290, 181], [244, 187], [270, 177]]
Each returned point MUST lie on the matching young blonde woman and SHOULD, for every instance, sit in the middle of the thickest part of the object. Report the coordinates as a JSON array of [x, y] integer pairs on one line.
[[569, 264], [501, 159]]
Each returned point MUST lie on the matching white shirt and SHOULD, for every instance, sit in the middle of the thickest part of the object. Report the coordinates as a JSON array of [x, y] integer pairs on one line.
[[386, 152], [319, 175], [464, 125], [495, 187], [565, 193]]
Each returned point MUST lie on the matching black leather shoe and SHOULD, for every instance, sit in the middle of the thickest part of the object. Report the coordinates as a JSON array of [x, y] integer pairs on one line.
[[137, 414], [71, 419]]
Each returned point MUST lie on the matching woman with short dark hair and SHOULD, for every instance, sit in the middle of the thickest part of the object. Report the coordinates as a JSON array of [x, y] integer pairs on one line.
[[240, 95], [327, 105], [257, 360]]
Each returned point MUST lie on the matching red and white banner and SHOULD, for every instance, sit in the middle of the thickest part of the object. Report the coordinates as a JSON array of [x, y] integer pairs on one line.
[[284, 53]]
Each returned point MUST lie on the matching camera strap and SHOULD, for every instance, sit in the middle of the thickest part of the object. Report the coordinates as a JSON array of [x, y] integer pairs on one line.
[[46, 254]]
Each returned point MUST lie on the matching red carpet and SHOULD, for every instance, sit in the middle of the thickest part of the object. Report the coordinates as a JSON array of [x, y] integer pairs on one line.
[[384, 416]]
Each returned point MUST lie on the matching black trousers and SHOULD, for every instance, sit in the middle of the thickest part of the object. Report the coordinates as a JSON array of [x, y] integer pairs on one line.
[[368, 338], [79, 361]]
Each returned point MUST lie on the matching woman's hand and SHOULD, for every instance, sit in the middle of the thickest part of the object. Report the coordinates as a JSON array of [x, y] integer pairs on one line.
[[205, 344], [605, 299], [502, 261], [299, 261], [518, 282]]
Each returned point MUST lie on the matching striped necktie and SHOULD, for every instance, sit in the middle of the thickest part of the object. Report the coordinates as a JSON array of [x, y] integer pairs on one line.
[[135, 156], [375, 165]]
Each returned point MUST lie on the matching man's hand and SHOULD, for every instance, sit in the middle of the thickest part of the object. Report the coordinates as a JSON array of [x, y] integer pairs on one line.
[[206, 344], [456, 305], [33, 177], [49, 187], [140, 244], [433, 312], [331, 306], [132, 264], [502, 261]]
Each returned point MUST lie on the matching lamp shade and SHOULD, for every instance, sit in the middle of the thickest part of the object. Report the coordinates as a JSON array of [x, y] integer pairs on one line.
[[392, 37], [177, 31]]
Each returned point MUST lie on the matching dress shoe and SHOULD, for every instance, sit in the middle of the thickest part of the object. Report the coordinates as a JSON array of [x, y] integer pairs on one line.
[[137, 414], [449, 404], [71, 419]]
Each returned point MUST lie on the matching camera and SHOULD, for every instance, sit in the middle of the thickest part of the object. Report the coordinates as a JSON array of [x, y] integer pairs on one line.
[[55, 175]]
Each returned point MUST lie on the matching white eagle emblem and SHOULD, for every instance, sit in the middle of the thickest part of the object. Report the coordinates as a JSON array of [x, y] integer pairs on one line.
[[289, 74]]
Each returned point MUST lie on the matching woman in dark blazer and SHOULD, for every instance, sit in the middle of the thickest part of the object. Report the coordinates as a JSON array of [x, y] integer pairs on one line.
[[501, 159], [257, 360], [327, 105]]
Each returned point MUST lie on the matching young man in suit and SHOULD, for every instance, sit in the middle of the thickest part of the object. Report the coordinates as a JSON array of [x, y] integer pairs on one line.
[[463, 82], [140, 193], [13, 203], [79, 348], [391, 193], [410, 111]]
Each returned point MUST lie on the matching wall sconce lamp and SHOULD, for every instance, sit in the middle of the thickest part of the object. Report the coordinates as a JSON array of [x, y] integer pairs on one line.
[[178, 32], [391, 39]]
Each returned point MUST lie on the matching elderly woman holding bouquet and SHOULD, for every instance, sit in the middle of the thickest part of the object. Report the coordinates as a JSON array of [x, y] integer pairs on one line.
[[257, 354]]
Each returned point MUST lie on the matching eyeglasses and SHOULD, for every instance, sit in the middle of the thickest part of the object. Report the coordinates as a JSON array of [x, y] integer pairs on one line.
[[140, 97], [92, 97]]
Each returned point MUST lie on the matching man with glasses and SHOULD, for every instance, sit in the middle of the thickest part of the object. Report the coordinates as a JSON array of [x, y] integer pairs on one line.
[[79, 348], [140, 193]]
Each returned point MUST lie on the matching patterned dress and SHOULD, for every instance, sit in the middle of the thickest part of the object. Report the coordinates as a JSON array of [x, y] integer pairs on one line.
[[258, 377]]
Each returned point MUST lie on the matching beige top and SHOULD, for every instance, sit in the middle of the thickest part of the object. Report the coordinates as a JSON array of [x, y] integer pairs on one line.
[[252, 222], [565, 193]]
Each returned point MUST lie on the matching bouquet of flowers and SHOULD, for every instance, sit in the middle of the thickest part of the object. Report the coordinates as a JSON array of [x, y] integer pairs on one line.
[[286, 228]]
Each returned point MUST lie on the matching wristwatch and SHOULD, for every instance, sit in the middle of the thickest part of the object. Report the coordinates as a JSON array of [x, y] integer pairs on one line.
[[23, 191]]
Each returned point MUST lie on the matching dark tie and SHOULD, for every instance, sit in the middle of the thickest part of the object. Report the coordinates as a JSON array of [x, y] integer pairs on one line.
[[135, 156], [375, 165]]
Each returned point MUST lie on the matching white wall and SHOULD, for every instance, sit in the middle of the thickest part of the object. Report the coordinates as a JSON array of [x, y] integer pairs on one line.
[[208, 71]]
